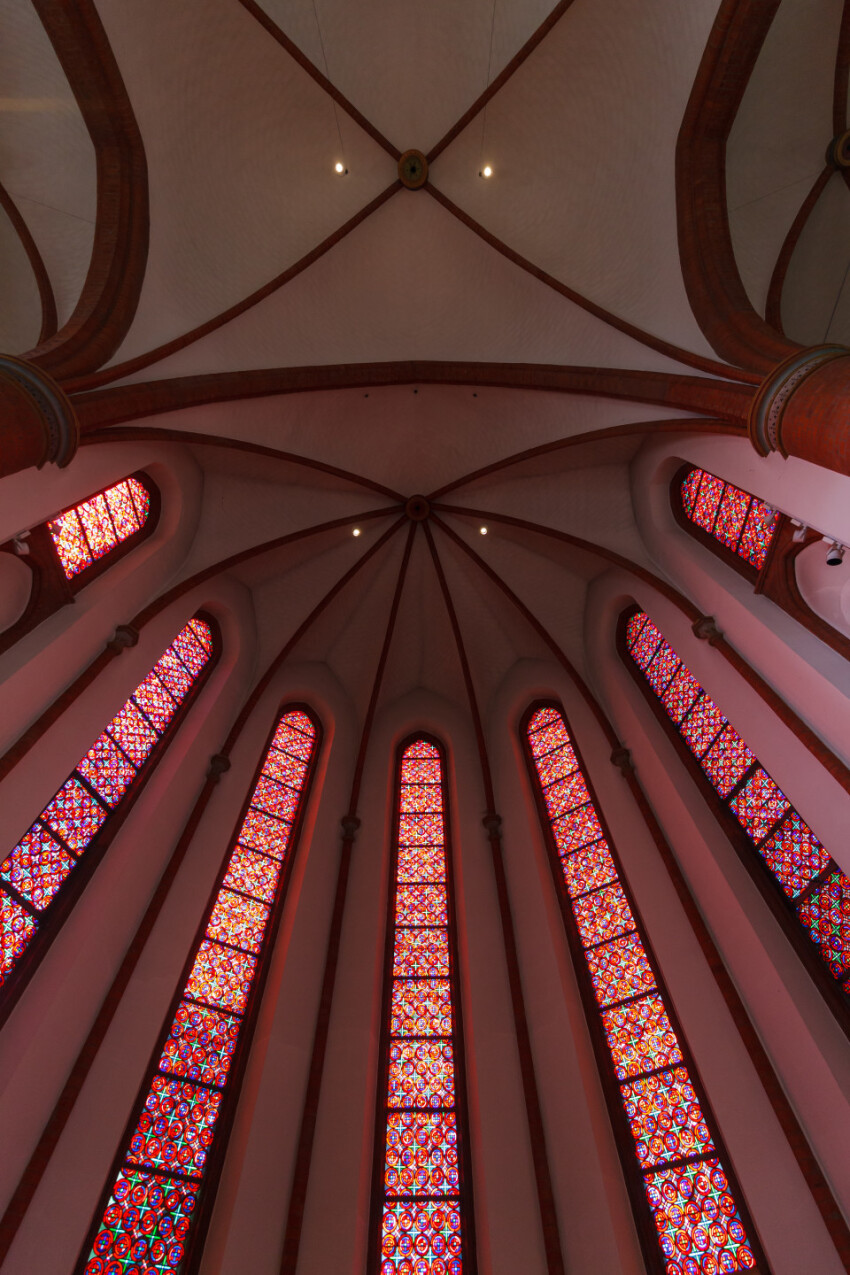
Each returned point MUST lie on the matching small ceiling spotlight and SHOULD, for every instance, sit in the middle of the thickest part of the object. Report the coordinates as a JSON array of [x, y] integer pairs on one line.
[[356, 531], [340, 169], [486, 171], [800, 532], [483, 531], [835, 554]]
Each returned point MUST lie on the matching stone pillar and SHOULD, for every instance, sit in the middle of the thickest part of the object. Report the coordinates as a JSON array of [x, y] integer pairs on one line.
[[803, 408], [37, 421]]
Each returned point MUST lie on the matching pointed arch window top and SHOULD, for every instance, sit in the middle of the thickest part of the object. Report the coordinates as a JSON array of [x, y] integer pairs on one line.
[[87, 532], [737, 520]]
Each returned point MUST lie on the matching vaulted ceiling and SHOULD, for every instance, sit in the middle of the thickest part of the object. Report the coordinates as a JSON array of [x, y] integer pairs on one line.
[[178, 251]]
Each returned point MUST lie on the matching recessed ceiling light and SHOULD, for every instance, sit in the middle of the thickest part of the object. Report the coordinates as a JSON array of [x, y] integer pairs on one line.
[[483, 530], [340, 169], [486, 171], [356, 531]]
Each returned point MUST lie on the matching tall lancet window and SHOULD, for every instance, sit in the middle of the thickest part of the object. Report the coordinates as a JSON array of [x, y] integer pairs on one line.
[[804, 883], [153, 1215], [689, 1208], [730, 521], [42, 876], [95, 530], [422, 1219]]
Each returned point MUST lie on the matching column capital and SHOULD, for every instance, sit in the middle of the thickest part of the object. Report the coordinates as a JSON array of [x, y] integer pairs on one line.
[[37, 420], [349, 825], [768, 408]]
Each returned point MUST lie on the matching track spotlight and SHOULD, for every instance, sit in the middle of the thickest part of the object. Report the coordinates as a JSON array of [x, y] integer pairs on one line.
[[835, 555]]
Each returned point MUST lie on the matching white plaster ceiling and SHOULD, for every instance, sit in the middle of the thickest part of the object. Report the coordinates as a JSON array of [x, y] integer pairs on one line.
[[775, 153]]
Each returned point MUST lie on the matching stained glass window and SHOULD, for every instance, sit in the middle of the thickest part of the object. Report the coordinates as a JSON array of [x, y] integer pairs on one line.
[[686, 1183], [45, 858], [86, 533], [421, 1215], [741, 522], [810, 880], [148, 1219]]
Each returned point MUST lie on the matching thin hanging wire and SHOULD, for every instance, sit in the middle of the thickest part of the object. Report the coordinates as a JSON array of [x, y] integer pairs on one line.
[[837, 299], [487, 85], [327, 77]]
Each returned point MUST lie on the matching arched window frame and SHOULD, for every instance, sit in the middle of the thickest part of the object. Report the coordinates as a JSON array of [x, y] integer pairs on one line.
[[717, 547], [781, 907], [465, 1184], [236, 1073], [51, 589], [75, 883], [623, 1137]]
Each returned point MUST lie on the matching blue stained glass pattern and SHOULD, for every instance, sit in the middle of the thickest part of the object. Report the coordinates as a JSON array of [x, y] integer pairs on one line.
[[660, 1103], [784, 843], [166, 1158], [43, 860]]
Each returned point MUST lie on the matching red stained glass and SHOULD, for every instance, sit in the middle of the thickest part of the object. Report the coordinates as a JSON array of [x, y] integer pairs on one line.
[[422, 904], [200, 1044], [702, 725], [736, 519], [826, 915], [619, 970], [173, 672], [564, 795], [421, 1074], [423, 952], [666, 1119], [287, 770], [264, 832], [758, 534], [759, 804], [274, 799], [640, 1037], [144, 1227], [690, 487], [577, 829], [423, 1008], [183, 1098], [727, 761], [90, 530], [17, 927], [238, 921], [657, 1092], [221, 977], [155, 701], [37, 867], [107, 770], [421, 1154], [699, 1225], [731, 516], [794, 855], [175, 1128], [253, 874], [419, 1124], [642, 638], [424, 1237], [662, 668], [133, 733], [74, 815], [681, 694], [708, 501], [588, 869]]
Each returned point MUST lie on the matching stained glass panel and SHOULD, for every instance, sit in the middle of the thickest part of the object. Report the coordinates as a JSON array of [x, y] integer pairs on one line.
[[419, 1207], [736, 519], [90, 530], [785, 844], [148, 1211], [659, 1100], [45, 857]]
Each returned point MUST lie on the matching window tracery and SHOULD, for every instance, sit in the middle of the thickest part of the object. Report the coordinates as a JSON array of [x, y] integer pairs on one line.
[[153, 1213], [808, 882], [43, 867], [422, 1203], [676, 1166]]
